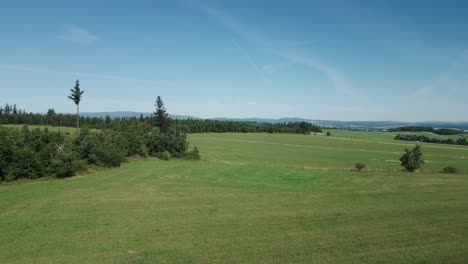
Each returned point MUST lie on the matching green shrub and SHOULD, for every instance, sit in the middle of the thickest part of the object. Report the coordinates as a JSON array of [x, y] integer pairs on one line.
[[109, 156], [165, 155], [60, 168], [328, 134], [359, 166], [193, 154], [412, 159], [25, 164], [450, 169]]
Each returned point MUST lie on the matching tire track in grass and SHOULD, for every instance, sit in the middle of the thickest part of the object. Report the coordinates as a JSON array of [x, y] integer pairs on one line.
[[324, 148], [254, 165]]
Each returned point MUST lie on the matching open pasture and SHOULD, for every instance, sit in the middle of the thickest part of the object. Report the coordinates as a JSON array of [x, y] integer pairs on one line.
[[320, 152], [254, 198]]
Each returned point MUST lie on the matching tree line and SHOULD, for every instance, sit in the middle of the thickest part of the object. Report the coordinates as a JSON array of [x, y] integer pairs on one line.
[[10, 114], [422, 138], [440, 131]]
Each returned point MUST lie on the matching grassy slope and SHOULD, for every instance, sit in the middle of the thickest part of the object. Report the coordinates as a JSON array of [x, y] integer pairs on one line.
[[246, 202]]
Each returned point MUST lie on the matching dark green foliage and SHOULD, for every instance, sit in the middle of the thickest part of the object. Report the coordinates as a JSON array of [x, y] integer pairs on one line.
[[450, 169], [63, 164], [165, 155], [412, 159], [34, 154], [134, 143], [440, 131], [328, 134], [25, 164], [193, 154], [109, 156], [160, 116], [75, 96], [86, 144], [142, 125], [76, 93], [460, 141], [447, 131], [156, 142], [174, 141], [412, 129], [107, 148], [359, 166]]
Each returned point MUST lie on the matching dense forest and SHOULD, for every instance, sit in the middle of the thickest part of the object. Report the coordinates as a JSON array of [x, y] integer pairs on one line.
[[422, 138], [440, 131], [10, 114]]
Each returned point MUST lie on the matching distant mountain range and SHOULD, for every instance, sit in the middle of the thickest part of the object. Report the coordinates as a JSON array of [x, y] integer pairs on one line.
[[327, 123]]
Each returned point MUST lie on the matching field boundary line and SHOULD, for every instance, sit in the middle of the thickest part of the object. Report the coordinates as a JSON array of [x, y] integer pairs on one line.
[[396, 144]]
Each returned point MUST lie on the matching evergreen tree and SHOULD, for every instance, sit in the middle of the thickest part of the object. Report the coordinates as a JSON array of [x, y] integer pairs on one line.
[[75, 96], [160, 116]]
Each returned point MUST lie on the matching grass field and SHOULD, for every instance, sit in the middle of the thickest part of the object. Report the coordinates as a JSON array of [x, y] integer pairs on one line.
[[377, 135], [254, 198], [319, 152]]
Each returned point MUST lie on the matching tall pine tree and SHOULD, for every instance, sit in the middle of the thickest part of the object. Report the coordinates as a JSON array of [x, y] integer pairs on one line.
[[75, 96], [160, 116]]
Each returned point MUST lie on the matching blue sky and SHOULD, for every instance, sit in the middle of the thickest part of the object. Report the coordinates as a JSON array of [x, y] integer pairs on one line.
[[345, 60]]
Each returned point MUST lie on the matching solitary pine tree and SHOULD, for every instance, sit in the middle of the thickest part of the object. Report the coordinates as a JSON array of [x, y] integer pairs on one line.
[[75, 96], [160, 116]]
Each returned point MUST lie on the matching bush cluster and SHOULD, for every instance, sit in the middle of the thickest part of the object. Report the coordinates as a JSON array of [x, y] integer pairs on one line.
[[422, 138], [34, 153], [359, 166], [449, 169]]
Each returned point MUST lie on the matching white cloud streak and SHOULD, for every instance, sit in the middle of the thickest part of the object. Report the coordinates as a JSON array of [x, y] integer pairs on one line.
[[250, 60], [338, 80], [74, 34]]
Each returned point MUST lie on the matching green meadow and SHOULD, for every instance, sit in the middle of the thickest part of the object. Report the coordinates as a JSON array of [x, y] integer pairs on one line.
[[253, 198]]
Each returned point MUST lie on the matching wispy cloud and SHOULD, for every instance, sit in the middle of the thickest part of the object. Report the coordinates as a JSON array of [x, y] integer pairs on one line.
[[79, 74], [250, 60], [334, 76], [78, 35], [275, 67], [284, 51]]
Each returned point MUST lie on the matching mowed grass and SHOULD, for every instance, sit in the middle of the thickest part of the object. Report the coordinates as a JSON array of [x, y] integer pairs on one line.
[[377, 135], [320, 152], [245, 202]]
